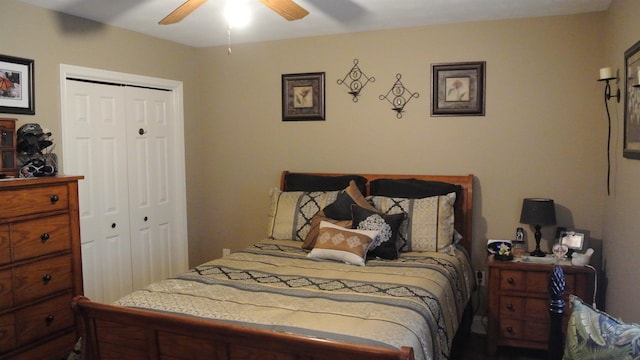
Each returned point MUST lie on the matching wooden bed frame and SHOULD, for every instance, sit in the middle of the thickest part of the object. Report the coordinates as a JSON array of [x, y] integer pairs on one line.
[[115, 332]]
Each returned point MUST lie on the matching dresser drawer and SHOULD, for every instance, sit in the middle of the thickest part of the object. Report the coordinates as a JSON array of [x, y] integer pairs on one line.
[[6, 298], [7, 332], [37, 321], [34, 200], [35, 280], [5, 245], [42, 236]]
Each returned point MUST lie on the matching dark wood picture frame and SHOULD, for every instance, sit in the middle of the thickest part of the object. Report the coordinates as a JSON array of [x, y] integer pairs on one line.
[[631, 148], [303, 96], [17, 93], [457, 89]]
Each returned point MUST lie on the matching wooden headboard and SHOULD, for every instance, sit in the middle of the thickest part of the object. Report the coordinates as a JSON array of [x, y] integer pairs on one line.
[[463, 205]]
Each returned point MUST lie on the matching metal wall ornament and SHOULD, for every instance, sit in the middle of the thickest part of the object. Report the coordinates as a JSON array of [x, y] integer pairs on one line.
[[355, 80], [399, 96]]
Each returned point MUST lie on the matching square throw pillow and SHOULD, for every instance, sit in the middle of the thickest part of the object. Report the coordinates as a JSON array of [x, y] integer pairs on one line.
[[310, 240], [429, 225], [384, 245], [291, 212], [341, 208], [338, 212], [593, 334], [311, 182], [342, 244]]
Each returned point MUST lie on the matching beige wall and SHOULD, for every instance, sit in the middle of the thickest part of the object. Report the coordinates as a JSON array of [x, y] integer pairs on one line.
[[544, 133], [622, 228]]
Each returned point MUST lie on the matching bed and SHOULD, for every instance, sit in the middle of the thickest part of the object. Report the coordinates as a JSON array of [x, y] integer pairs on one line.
[[299, 294]]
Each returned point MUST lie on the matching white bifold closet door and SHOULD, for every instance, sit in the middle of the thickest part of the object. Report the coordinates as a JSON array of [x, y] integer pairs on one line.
[[132, 212]]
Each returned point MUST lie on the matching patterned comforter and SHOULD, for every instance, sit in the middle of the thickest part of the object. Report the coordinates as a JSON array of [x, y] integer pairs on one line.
[[417, 300]]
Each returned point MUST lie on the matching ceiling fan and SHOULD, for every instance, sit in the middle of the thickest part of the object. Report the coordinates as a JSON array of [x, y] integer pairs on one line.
[[286, 8]]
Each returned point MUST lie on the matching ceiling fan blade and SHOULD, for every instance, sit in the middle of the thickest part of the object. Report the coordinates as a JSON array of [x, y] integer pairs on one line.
[[286, 8], [181, 12]]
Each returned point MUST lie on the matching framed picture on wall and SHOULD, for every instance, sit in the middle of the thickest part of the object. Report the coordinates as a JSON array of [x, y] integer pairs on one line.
[[457, 89], [16, 85], [632, 102], [303, 97]]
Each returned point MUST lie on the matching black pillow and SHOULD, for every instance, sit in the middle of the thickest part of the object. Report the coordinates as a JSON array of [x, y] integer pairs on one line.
[[308, 182], [384, 245], [411, 188], [341, 208]]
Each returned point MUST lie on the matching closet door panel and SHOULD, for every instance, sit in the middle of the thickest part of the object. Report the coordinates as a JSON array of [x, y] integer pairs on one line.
[[151, 199], [95, 131]]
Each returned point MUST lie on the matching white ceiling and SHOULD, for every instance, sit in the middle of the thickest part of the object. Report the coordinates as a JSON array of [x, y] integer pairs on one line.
[[206, 26]]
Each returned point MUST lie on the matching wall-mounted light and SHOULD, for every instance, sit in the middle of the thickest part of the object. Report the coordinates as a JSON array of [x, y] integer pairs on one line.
[[607, 74]]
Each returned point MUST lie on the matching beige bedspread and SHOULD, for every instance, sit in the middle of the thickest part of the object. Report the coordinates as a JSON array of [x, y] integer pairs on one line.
[[417, 300]]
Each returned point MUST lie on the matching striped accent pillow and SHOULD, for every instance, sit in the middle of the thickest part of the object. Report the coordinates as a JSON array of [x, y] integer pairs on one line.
[[429, 225]]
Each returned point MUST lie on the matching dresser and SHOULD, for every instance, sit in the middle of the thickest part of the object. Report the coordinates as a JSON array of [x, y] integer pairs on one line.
[[518, 301], [40, 266]]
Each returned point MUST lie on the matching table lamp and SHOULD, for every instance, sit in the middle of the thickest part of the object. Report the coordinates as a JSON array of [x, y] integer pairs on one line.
[[538, 212]]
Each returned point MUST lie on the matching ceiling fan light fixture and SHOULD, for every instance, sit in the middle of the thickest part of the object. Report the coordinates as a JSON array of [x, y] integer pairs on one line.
[[237, 13]]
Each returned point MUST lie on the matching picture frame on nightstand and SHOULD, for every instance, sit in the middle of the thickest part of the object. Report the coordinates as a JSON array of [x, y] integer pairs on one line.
[[575, 239]]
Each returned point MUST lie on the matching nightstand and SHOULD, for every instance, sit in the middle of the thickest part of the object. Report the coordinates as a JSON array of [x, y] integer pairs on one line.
[[519, 297]]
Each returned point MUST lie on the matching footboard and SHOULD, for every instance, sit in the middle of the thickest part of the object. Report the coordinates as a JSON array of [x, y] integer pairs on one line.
[[114, 332]]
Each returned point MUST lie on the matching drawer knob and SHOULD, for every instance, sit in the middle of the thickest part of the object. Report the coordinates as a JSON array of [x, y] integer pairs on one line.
[[113, 225], [510, 306], [46, 278], [54, 198], [44, 237], [146, 218], [49, 319], [509, 329], [510, 280]]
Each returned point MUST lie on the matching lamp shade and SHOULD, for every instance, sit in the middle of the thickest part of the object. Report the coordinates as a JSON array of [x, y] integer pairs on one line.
[[537, 211]]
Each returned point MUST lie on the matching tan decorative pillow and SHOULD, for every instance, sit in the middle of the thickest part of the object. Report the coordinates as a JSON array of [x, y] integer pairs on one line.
[[429, 225], [341, 211], [338, 243]]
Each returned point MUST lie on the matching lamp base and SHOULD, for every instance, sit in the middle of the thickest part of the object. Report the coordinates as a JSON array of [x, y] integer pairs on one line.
[[538, 253]]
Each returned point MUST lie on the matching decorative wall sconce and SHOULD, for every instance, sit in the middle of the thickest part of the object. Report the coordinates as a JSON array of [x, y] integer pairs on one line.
[[355, 80], [607, 74], [399, 96]]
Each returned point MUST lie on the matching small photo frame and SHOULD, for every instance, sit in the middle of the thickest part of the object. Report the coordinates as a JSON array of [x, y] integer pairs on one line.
[[16, 85], [575, 239], [303, 97], [457, 89]]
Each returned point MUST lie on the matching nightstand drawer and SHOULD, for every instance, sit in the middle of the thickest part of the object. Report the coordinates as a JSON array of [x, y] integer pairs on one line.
[[41, 278], [512, 280], [6, 288], [511, 306]]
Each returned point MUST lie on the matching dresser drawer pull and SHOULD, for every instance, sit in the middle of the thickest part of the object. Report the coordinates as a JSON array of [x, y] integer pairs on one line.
[[44, 237], [49, 319], [54, 198], [113, 225], [509, 329], [510, 280], [510, 306], [46, 278]]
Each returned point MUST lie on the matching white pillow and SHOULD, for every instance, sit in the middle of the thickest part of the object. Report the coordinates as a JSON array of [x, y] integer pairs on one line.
[[338, 243]]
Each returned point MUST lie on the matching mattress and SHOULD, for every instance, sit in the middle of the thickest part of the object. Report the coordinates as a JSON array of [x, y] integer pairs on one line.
[[417, 300]]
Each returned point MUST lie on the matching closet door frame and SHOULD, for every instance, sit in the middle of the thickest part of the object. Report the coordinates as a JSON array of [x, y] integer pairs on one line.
[[179, 250]]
